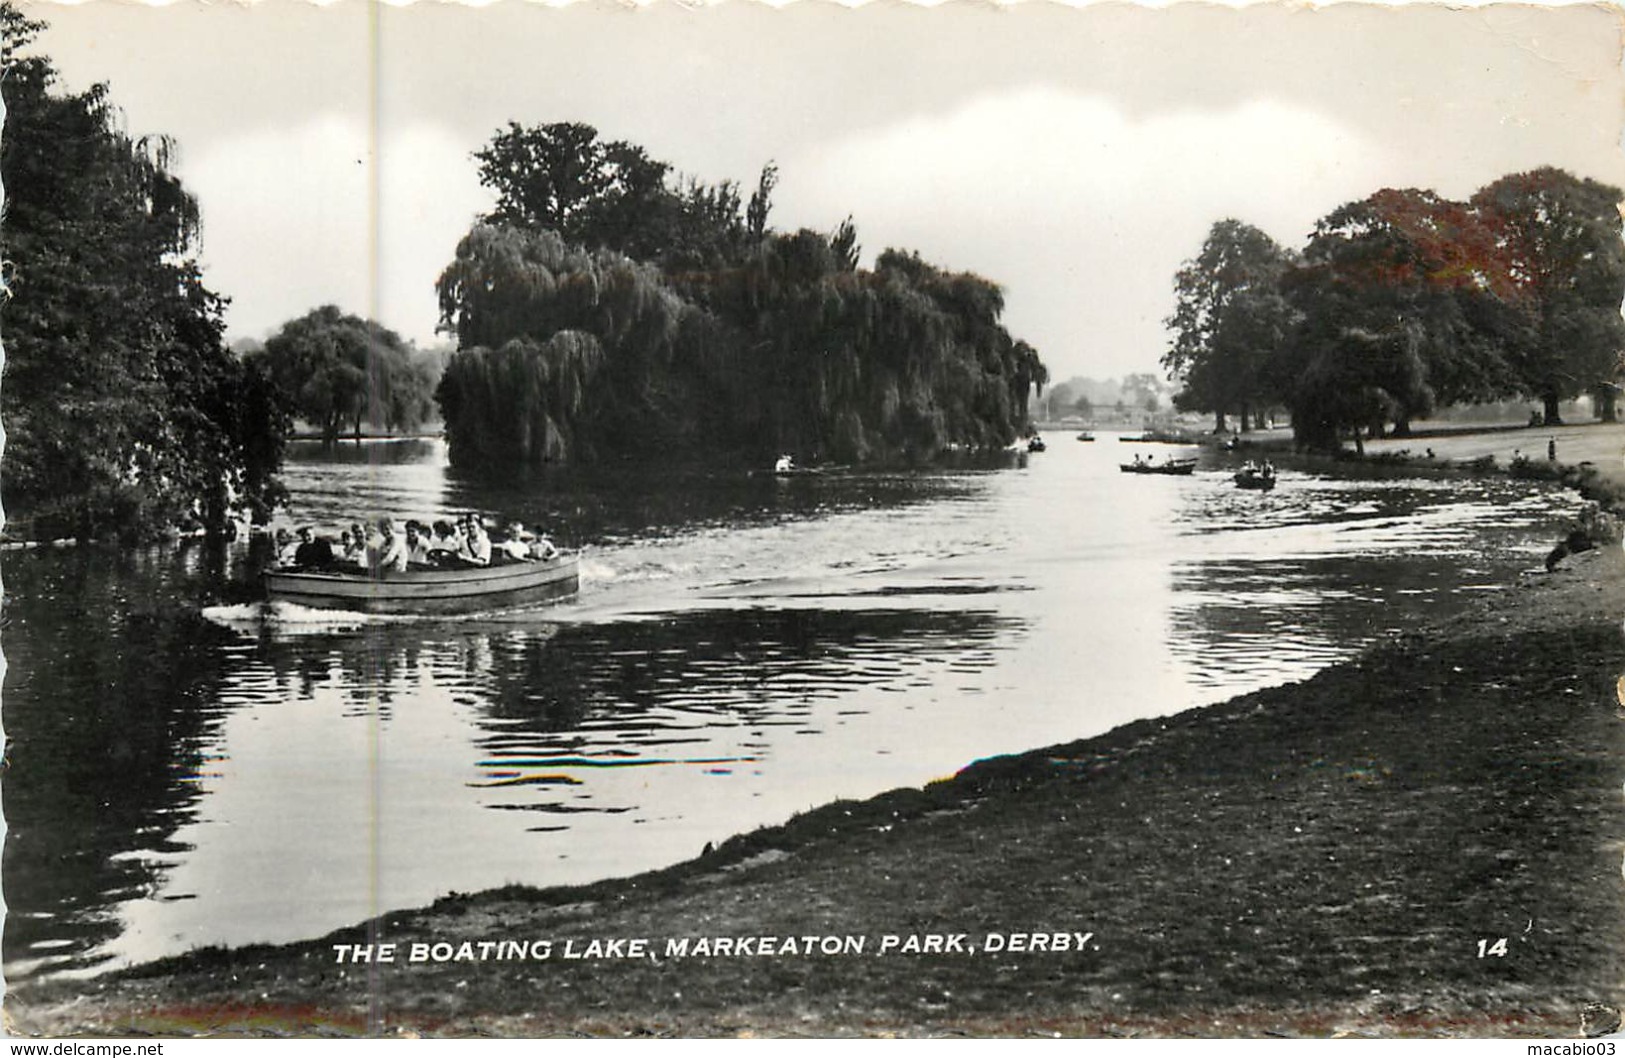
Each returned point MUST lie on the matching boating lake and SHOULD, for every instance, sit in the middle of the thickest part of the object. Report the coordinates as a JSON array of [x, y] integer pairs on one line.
[[744, 647]]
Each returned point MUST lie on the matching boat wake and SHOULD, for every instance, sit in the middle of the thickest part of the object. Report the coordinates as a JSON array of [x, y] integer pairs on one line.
[[285, 619], [291, 617]]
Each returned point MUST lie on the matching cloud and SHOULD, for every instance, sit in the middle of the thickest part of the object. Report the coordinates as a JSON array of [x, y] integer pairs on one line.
[[429, 196], [287, 220], [1082, 212], [1075, 155]]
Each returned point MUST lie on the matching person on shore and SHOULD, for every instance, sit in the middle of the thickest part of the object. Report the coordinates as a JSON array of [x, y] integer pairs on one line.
[[1590, 528], [1551, 450]]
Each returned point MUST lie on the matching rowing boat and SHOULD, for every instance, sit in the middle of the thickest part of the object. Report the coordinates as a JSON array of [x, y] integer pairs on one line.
[[427, 591], [1171, 466]]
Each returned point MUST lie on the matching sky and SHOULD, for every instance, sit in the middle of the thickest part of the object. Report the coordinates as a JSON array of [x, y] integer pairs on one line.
[[1074, 155]]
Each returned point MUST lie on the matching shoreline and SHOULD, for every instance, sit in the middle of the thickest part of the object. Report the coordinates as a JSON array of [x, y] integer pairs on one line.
[[1318, 858], [1349, 854]]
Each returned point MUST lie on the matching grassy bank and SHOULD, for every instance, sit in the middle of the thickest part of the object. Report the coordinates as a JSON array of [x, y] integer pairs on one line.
[[1332, 856], [1596, 450]]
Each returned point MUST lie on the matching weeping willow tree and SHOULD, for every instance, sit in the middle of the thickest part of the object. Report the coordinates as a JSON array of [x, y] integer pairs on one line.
[[521, 400], [905, 360], [767, 342], [563, 351]]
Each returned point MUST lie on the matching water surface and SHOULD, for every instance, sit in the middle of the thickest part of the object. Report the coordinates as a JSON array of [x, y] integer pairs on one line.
[[743, 648]]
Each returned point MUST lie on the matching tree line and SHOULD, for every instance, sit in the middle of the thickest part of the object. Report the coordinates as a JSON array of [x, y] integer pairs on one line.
[[123, 408], [606, 307], [1404, 302], [126, 413]]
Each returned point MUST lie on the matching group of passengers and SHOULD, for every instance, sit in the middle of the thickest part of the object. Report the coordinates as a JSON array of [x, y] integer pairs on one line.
[[462, 543]]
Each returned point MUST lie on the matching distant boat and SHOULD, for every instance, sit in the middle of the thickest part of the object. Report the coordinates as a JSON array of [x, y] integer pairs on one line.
[[1086, 436], [427, 591], [1169, 466], [1254, 478], [1161, 437]]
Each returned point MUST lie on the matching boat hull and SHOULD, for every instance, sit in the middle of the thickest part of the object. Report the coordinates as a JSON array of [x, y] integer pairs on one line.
[[1255, 481], [1183, 467], [437, 591]]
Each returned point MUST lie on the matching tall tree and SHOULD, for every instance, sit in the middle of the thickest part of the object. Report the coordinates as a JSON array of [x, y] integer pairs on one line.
[[611, 194], [1566, 264], [123, 407], [1347, 379], [547, 177], [340, 371], [695, 327], [1404, 300], [761, 202], [1401, 294], [524, 305], [1229, 318]]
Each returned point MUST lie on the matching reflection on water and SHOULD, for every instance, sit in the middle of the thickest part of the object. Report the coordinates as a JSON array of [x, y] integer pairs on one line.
[[743, 648]]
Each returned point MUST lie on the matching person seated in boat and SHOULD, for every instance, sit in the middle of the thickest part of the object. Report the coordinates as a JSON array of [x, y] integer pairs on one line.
[[445, 544], [312, 552], [1139, 460], [542, 549], [1268, 469], [515, 545], [355, 546], [389, 555], [417, 545], [476, 544], [784, 464], [287, 548]]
